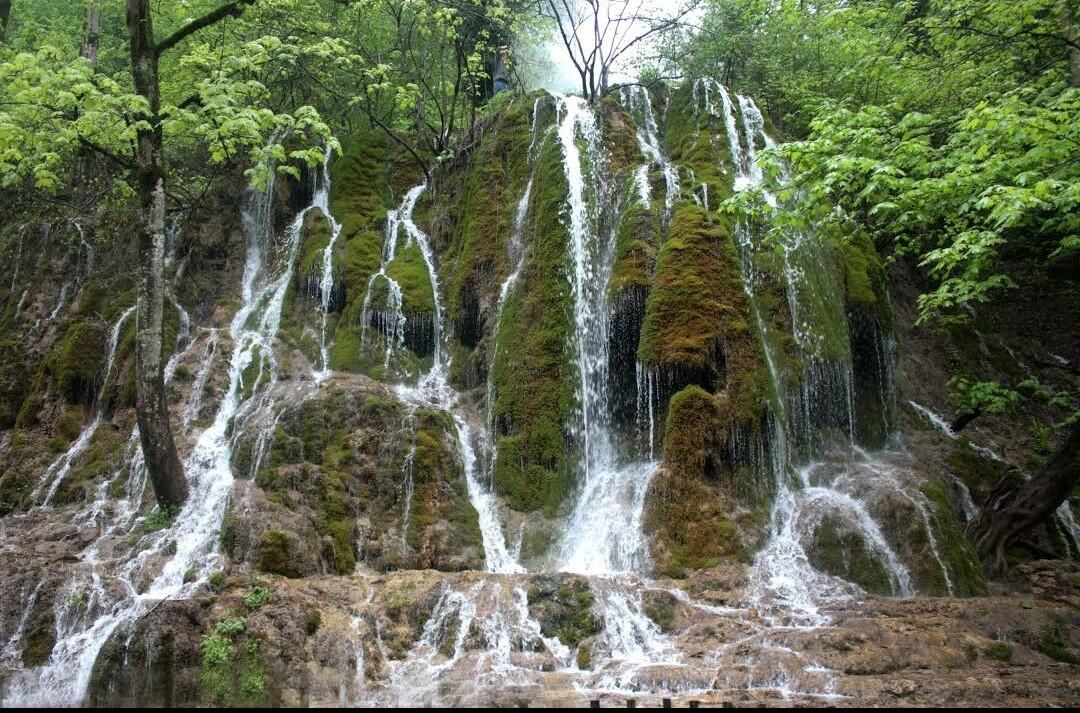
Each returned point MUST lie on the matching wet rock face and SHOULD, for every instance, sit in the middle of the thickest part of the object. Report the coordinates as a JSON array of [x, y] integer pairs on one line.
[[405, 638], [350, 550], [350, 475]]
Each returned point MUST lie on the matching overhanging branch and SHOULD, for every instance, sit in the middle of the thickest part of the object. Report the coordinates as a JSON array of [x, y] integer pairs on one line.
[[232, 9]]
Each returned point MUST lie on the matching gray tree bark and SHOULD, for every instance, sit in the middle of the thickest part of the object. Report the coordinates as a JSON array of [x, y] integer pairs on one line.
[[151, 406], [91, 33], [1016, 505], [1068, 27]]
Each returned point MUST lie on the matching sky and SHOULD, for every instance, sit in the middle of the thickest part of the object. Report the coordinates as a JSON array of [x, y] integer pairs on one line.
[[550, 66]]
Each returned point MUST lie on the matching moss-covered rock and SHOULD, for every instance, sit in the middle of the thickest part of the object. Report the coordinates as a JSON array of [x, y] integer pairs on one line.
[[480, 203], [277, 554], [697, 321], [334, 475], [564, 608], [534, 381], [699, 510], [966, 572], [76, 362], [842, 551]]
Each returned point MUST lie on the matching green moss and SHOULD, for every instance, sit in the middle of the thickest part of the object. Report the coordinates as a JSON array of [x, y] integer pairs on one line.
[[566, 610], [315, 236], [617, 135], [39, 641], [483, 210], [440, 492], [312, 621], [635, 248], [14, 378], [96, 463], [690, 437], [865, 280], [660, 608], [77, 360], [534, 381], [692, 503], [697, 142], [978, 473], [844, 553], [999, 651], [965, 570], [410, 272], [1052, 643], [697, 318], [321, 447], [584, 657]]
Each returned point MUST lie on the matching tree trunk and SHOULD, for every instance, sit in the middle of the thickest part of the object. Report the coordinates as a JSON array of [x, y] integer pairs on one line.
[[1016, 505], [961, 421], [151, 407], [91, 42], [1068, 27], [91, 33], [5, 15]]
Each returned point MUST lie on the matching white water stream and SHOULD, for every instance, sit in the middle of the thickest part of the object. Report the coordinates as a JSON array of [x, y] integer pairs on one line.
[[603, 537]]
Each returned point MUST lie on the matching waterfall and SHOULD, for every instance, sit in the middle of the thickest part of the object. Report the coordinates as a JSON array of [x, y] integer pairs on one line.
[[408, 477], [637, 101], [645, 379], [390, 319], [321, 201], [515, 253], [58, 470], [822, 395], [603, 534], [434, 391], [190, 543]]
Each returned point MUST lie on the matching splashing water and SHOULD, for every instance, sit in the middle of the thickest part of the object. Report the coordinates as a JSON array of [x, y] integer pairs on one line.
[[59, 468], [434, 391], [604, 532], [321, 201], [193, 536], [783, 579], [637, 101], [390, 319]]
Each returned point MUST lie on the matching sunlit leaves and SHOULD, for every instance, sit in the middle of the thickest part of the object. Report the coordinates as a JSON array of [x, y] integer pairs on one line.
[[1004, 171]]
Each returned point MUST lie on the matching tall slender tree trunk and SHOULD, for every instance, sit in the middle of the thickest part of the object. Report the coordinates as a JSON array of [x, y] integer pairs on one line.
[[91, 33], [1068, 28], [91, 42], [1016, 505], [151, 407], [5, 15]]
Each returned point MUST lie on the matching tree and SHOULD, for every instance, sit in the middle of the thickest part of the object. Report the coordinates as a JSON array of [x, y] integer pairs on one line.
[[91, 33], [597, 34], [151, 404], [1016, 505], [5, 15]]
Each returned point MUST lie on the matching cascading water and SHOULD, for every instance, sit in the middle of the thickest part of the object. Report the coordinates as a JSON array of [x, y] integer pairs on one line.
[[321, 200], [785, 581], [516, 255], [192, 538], [604, 534], [481, 634], [389, 319], [1063, 516], [58, 470], [637, 101], [433, 389]]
